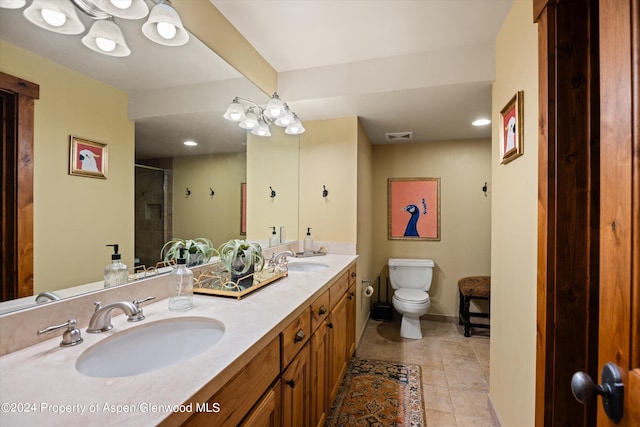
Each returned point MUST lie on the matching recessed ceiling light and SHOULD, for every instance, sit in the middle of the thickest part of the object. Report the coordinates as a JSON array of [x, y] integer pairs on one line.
[[190, 143], [481, 122]]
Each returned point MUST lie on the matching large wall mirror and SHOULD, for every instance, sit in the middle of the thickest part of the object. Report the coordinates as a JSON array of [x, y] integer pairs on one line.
[[142, 107]]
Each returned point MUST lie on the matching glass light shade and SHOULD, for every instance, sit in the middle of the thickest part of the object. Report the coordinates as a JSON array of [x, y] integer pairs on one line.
[[105, 37], [235, 112], [71, 24], [286, 118], [128, 9], [275, 107], [261, 130], [250, 121], [295, 128], [12, 4], [162, 17]]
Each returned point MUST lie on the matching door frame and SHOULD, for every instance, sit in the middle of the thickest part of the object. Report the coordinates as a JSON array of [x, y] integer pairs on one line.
[[568, 207], [17, 260]]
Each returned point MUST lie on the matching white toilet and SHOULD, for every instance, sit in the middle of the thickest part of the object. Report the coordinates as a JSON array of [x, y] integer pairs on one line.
[[411, 281]]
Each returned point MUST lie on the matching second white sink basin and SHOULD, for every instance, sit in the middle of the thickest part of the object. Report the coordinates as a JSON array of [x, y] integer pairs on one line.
[[150, 346], [307, 266]]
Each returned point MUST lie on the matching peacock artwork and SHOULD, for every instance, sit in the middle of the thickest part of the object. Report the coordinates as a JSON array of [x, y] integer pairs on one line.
[[414, 208]]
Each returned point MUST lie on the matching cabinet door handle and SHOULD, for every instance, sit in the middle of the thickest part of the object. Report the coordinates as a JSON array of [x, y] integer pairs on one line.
[[330, 325], [322, 310], [291, 383], [351, 296], [299, 336], [353, 274]]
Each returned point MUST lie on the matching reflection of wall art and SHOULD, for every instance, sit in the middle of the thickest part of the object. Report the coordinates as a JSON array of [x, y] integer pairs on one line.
[[243, 208], [511, 129], [414, 209], [87, 158]]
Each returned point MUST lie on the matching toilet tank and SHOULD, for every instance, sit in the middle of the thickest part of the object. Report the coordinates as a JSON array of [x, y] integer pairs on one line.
[[411, 273]]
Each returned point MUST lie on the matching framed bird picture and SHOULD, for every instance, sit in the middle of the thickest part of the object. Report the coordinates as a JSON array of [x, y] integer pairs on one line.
[[414, 208], [511, 129], [88, 158]]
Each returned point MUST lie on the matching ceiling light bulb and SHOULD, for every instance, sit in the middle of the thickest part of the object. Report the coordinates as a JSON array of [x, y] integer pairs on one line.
[[481, 122], [106, 45], [166, 30], [122, 4], [275, 107], [53, 17], [190, 143]]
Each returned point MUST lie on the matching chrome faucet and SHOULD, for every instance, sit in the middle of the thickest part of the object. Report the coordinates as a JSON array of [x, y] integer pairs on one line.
[[280, 258], [101, 319]]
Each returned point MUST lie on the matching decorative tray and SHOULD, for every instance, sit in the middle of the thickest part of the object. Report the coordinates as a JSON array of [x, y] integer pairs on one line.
[[217, 281]]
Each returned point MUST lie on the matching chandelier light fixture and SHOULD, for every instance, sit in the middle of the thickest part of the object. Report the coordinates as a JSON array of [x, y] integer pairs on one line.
[[257, 120], [163, 25]]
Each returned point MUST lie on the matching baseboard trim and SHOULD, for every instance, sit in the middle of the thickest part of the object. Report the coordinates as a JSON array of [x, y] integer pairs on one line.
[[494, 414]]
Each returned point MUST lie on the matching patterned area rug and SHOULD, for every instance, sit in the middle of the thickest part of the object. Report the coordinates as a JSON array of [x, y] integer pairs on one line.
[[380, 394]]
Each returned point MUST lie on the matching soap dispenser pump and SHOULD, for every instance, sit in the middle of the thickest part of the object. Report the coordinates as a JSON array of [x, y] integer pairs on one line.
[[181, 286], [273, 241], [308, 242], [115, 273]]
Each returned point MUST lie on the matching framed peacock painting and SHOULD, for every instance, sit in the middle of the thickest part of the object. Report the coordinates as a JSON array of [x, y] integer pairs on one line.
[[414, 208]]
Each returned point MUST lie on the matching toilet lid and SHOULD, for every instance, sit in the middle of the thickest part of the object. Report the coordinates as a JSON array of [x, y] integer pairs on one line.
[[411, 295]]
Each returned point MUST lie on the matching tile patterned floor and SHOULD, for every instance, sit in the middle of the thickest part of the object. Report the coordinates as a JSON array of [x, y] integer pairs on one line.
[[455, 369]]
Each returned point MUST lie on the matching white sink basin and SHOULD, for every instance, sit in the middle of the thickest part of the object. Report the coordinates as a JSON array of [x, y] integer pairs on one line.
[[307, 266], [150, 346]]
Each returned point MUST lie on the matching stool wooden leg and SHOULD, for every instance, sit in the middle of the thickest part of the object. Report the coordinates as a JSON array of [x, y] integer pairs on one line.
[[467, 303], [461, 309]]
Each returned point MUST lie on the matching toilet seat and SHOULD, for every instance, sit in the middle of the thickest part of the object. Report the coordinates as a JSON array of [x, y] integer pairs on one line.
[[415, 296]]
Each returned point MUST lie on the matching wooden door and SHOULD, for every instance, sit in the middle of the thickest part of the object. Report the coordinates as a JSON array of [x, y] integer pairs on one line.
[[320, 356], [338, 346], [619, 325], [267, 411]]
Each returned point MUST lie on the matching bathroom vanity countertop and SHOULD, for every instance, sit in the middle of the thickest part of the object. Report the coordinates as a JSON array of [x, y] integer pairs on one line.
[[39, 385]]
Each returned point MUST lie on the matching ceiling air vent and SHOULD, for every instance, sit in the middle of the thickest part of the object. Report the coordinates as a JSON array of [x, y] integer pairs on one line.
[[399, 136]]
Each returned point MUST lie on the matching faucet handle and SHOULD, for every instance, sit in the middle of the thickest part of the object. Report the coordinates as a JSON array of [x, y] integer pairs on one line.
[[70, 337], [140, 315]]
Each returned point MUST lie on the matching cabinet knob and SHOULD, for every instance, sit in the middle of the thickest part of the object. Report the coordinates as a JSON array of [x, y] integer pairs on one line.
[[291, 383], [299, 336], [353, 274], [330, 325], [322, 310], [351, 295]]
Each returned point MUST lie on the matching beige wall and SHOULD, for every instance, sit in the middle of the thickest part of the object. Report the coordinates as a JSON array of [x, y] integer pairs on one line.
[[272, 162], [514, 227], [200, 215], [74, 217], [464, 249], [364, 244], [328, 156]]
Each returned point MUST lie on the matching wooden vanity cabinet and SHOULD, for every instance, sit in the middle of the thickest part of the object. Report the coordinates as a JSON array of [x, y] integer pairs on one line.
[[296, 390], [236, 398], [267, 412], [320, 350], [301, 370]]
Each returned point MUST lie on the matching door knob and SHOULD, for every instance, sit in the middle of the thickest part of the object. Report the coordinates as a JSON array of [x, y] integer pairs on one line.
[[611, 390]]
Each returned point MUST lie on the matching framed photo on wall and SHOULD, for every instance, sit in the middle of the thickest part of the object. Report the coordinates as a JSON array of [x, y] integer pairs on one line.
[[511, 129], [413, 208], [88, 158]]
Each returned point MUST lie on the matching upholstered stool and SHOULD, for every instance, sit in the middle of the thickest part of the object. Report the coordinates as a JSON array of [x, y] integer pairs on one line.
[[473, 287]]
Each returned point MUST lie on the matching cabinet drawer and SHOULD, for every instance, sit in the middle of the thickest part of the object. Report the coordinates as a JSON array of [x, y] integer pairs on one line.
[[319, 310], [235, 399], [294, 337], [338, 289]]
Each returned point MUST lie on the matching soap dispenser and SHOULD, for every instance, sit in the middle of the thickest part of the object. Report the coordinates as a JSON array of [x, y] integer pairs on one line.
[[308, 242], [181, 286], [115, 273], [273, 241]]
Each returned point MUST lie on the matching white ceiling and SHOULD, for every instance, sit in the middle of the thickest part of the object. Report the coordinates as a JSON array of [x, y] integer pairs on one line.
[[421, 66]]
